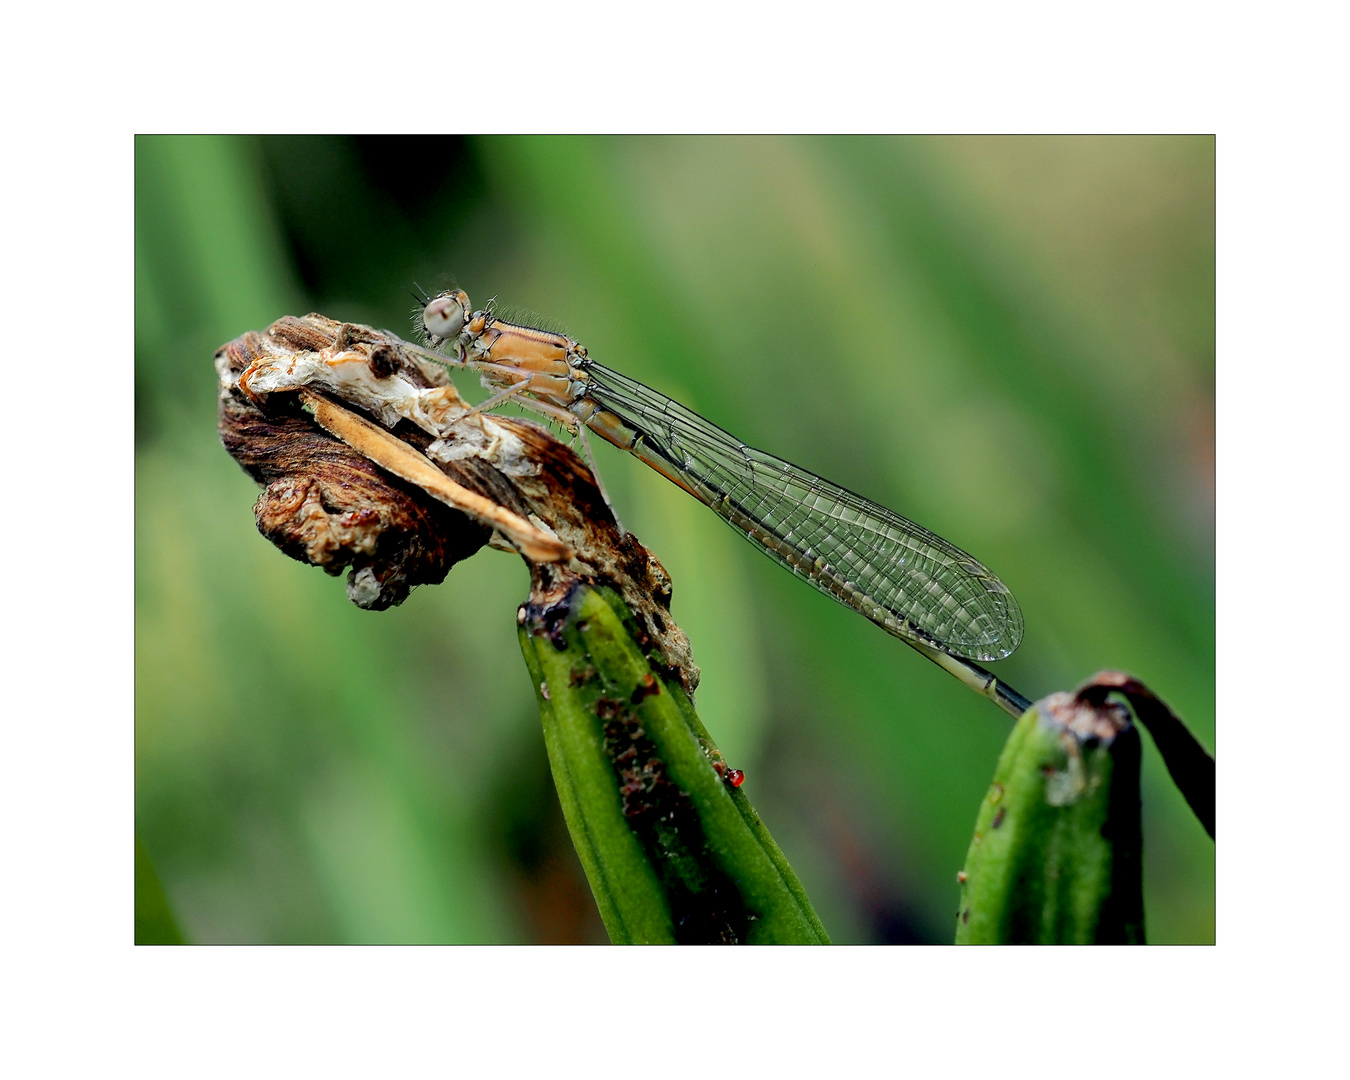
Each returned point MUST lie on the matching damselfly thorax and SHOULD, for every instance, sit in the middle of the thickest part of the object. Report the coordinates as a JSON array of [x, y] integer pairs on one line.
[[552, 368]]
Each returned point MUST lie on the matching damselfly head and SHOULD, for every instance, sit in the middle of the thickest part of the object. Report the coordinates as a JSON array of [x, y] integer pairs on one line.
[[444, 315]]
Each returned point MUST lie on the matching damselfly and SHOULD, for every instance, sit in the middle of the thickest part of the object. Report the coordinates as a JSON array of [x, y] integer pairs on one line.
[[904, 578]]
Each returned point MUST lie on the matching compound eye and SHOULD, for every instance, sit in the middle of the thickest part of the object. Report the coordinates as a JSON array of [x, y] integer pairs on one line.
[[443, 317]]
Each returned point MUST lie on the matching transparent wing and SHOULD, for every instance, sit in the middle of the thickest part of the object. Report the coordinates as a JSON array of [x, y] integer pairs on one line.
[[904, 578]]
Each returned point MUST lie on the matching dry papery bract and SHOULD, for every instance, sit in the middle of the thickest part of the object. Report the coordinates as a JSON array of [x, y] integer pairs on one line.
[[310, 405]]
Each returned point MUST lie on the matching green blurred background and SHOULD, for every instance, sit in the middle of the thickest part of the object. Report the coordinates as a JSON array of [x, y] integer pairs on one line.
[[1010, 340]]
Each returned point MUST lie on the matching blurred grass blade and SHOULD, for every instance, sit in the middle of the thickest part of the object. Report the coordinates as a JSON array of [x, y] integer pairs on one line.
[[1057, 855], [155, 924], [672, 852]]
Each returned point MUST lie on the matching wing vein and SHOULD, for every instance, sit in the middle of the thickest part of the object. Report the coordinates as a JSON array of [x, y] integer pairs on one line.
[[906, 579]]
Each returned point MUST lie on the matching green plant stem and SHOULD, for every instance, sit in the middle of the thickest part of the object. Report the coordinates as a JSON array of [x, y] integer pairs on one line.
[[673, 852]]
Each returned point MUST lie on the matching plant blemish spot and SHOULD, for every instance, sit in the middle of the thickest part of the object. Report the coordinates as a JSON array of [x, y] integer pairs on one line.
[[581, 676], [648, 687]]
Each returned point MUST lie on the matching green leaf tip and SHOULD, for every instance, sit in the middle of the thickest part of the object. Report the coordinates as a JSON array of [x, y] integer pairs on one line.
[[1056, 857], [673, 852]]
